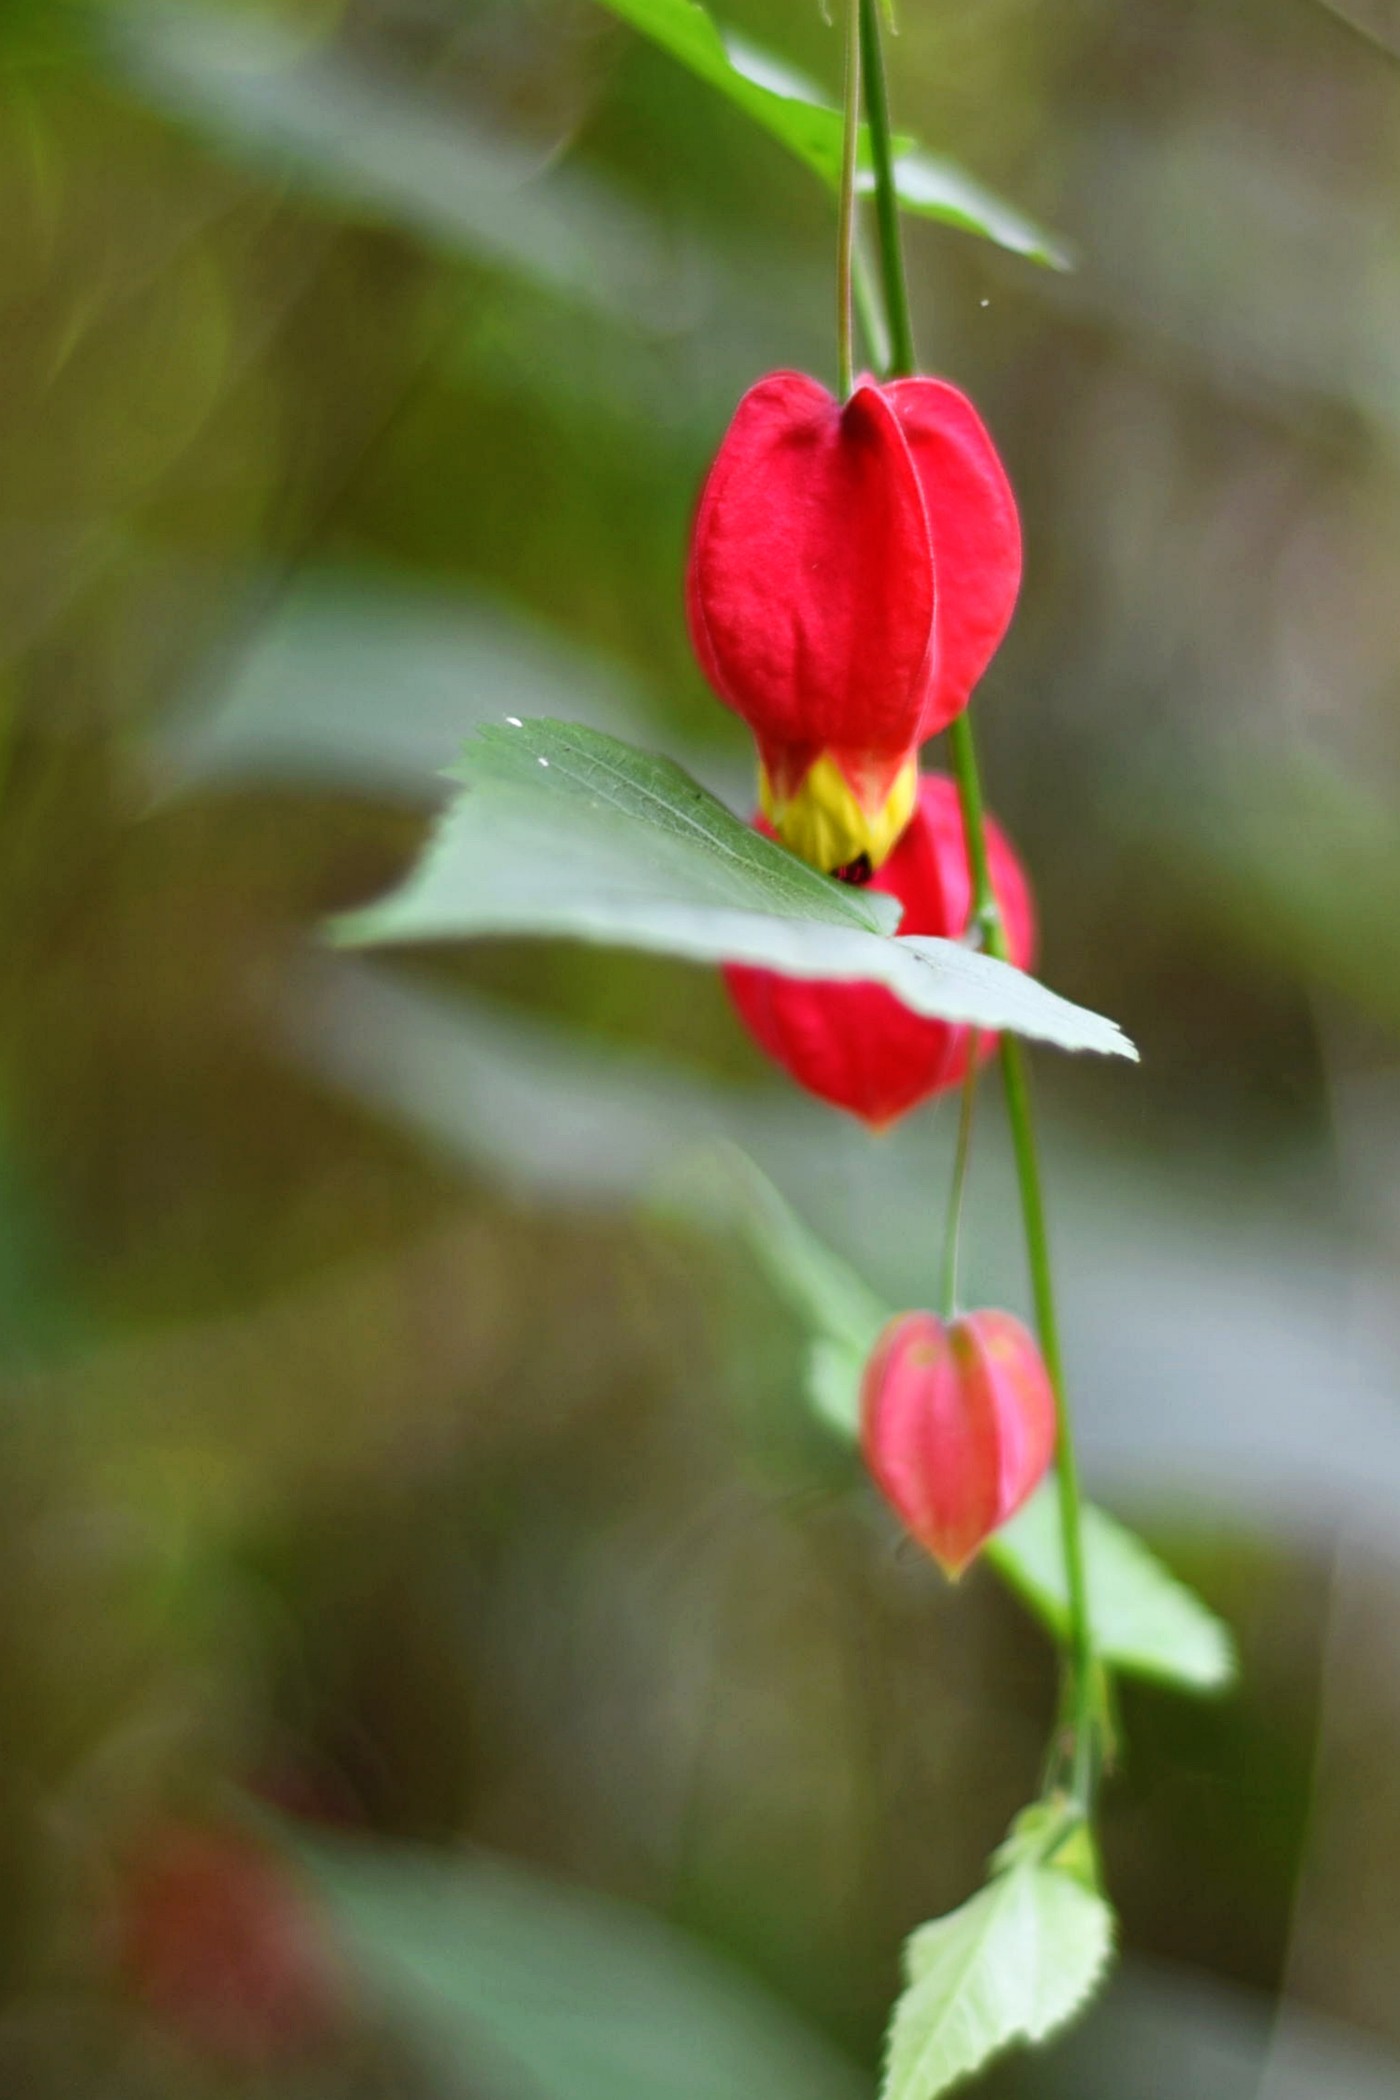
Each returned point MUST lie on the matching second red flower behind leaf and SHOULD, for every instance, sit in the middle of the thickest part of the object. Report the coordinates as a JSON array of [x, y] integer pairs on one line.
[[856, 1045]]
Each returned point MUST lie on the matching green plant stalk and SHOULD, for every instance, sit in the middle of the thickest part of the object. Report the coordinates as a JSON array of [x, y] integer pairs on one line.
[[1081, 1689], [952, 1235], [877, 111], [868, 307], [846, 226]]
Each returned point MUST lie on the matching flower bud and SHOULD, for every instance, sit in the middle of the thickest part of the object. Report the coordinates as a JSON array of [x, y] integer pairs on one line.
[[856, 1045], [957, 1426], [852, 569]]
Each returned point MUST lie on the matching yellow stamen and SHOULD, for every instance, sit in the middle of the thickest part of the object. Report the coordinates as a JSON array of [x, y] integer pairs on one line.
[[823, 822]]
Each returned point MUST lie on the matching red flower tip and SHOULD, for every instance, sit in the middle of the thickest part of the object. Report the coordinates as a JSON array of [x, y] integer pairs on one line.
[[840, 808], [856, 1045], [853, 566], [957, 1426]]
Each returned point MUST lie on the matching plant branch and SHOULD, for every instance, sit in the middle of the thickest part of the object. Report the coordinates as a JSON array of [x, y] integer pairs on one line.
[[952, 1236], [1082, 1685], [903, 359], [868, 307], [987, 917], [846, 225]]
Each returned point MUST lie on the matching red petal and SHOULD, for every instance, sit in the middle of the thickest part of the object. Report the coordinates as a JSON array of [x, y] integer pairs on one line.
[[957, 1426], [856, 1045], [1003, 1361], [810, 587], [975, 532]]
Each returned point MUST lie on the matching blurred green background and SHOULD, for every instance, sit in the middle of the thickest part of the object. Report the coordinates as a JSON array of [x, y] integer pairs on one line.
[[377, 1437]]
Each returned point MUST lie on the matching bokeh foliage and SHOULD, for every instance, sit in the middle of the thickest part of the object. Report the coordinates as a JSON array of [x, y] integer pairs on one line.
[[367, 1440]]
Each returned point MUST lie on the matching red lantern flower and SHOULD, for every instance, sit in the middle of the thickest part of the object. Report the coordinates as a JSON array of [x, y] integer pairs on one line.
[[852, 569], [855, 1044], [957, 1426]]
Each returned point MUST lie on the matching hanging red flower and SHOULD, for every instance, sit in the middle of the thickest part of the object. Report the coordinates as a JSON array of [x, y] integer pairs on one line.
[[957, 1426], [856, 1045], [852, 569]]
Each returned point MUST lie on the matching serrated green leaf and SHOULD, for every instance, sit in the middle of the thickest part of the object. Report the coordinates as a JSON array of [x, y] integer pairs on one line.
[[1012, 1965], [538, 1988], [1146, 1623], [569, 833], [795, 112]]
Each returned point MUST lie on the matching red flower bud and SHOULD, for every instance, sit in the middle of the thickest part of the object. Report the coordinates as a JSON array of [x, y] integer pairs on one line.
[[852, 569], [855, 1044], [957, 1426]]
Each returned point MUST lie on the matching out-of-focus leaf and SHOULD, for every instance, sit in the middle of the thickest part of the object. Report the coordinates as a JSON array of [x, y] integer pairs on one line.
[[40, 31], [1377, 20], [1146, 1623], [933, 187], [559, 1993], [789, 106], [823, 1291], [833, 1372], [1017, 1961], [568, 833], [364, 144], [306, 699], [1265, 1407]]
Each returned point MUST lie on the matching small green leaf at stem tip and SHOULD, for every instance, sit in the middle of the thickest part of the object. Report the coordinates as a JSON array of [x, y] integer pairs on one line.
[[1051, 1833], [1013, 1964], [796, 113]]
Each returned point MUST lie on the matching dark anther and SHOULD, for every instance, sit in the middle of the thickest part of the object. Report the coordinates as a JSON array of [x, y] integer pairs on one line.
[[857, 871]]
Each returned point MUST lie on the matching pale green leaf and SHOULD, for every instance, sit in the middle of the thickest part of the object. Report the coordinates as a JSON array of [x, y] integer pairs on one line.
[[1146, 1623], [532, 1987], [823, 1291], [832, 1373], [303, 699], [1377, 20], [1012, 1965], [794, 111], [933, 187], [568, 833]]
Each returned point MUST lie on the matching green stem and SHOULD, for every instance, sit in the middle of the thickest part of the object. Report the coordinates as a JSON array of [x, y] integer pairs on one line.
[[903, 359], [1082, 1683], [986, 914], [846, 226], [872, 314], [952, 1236]]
